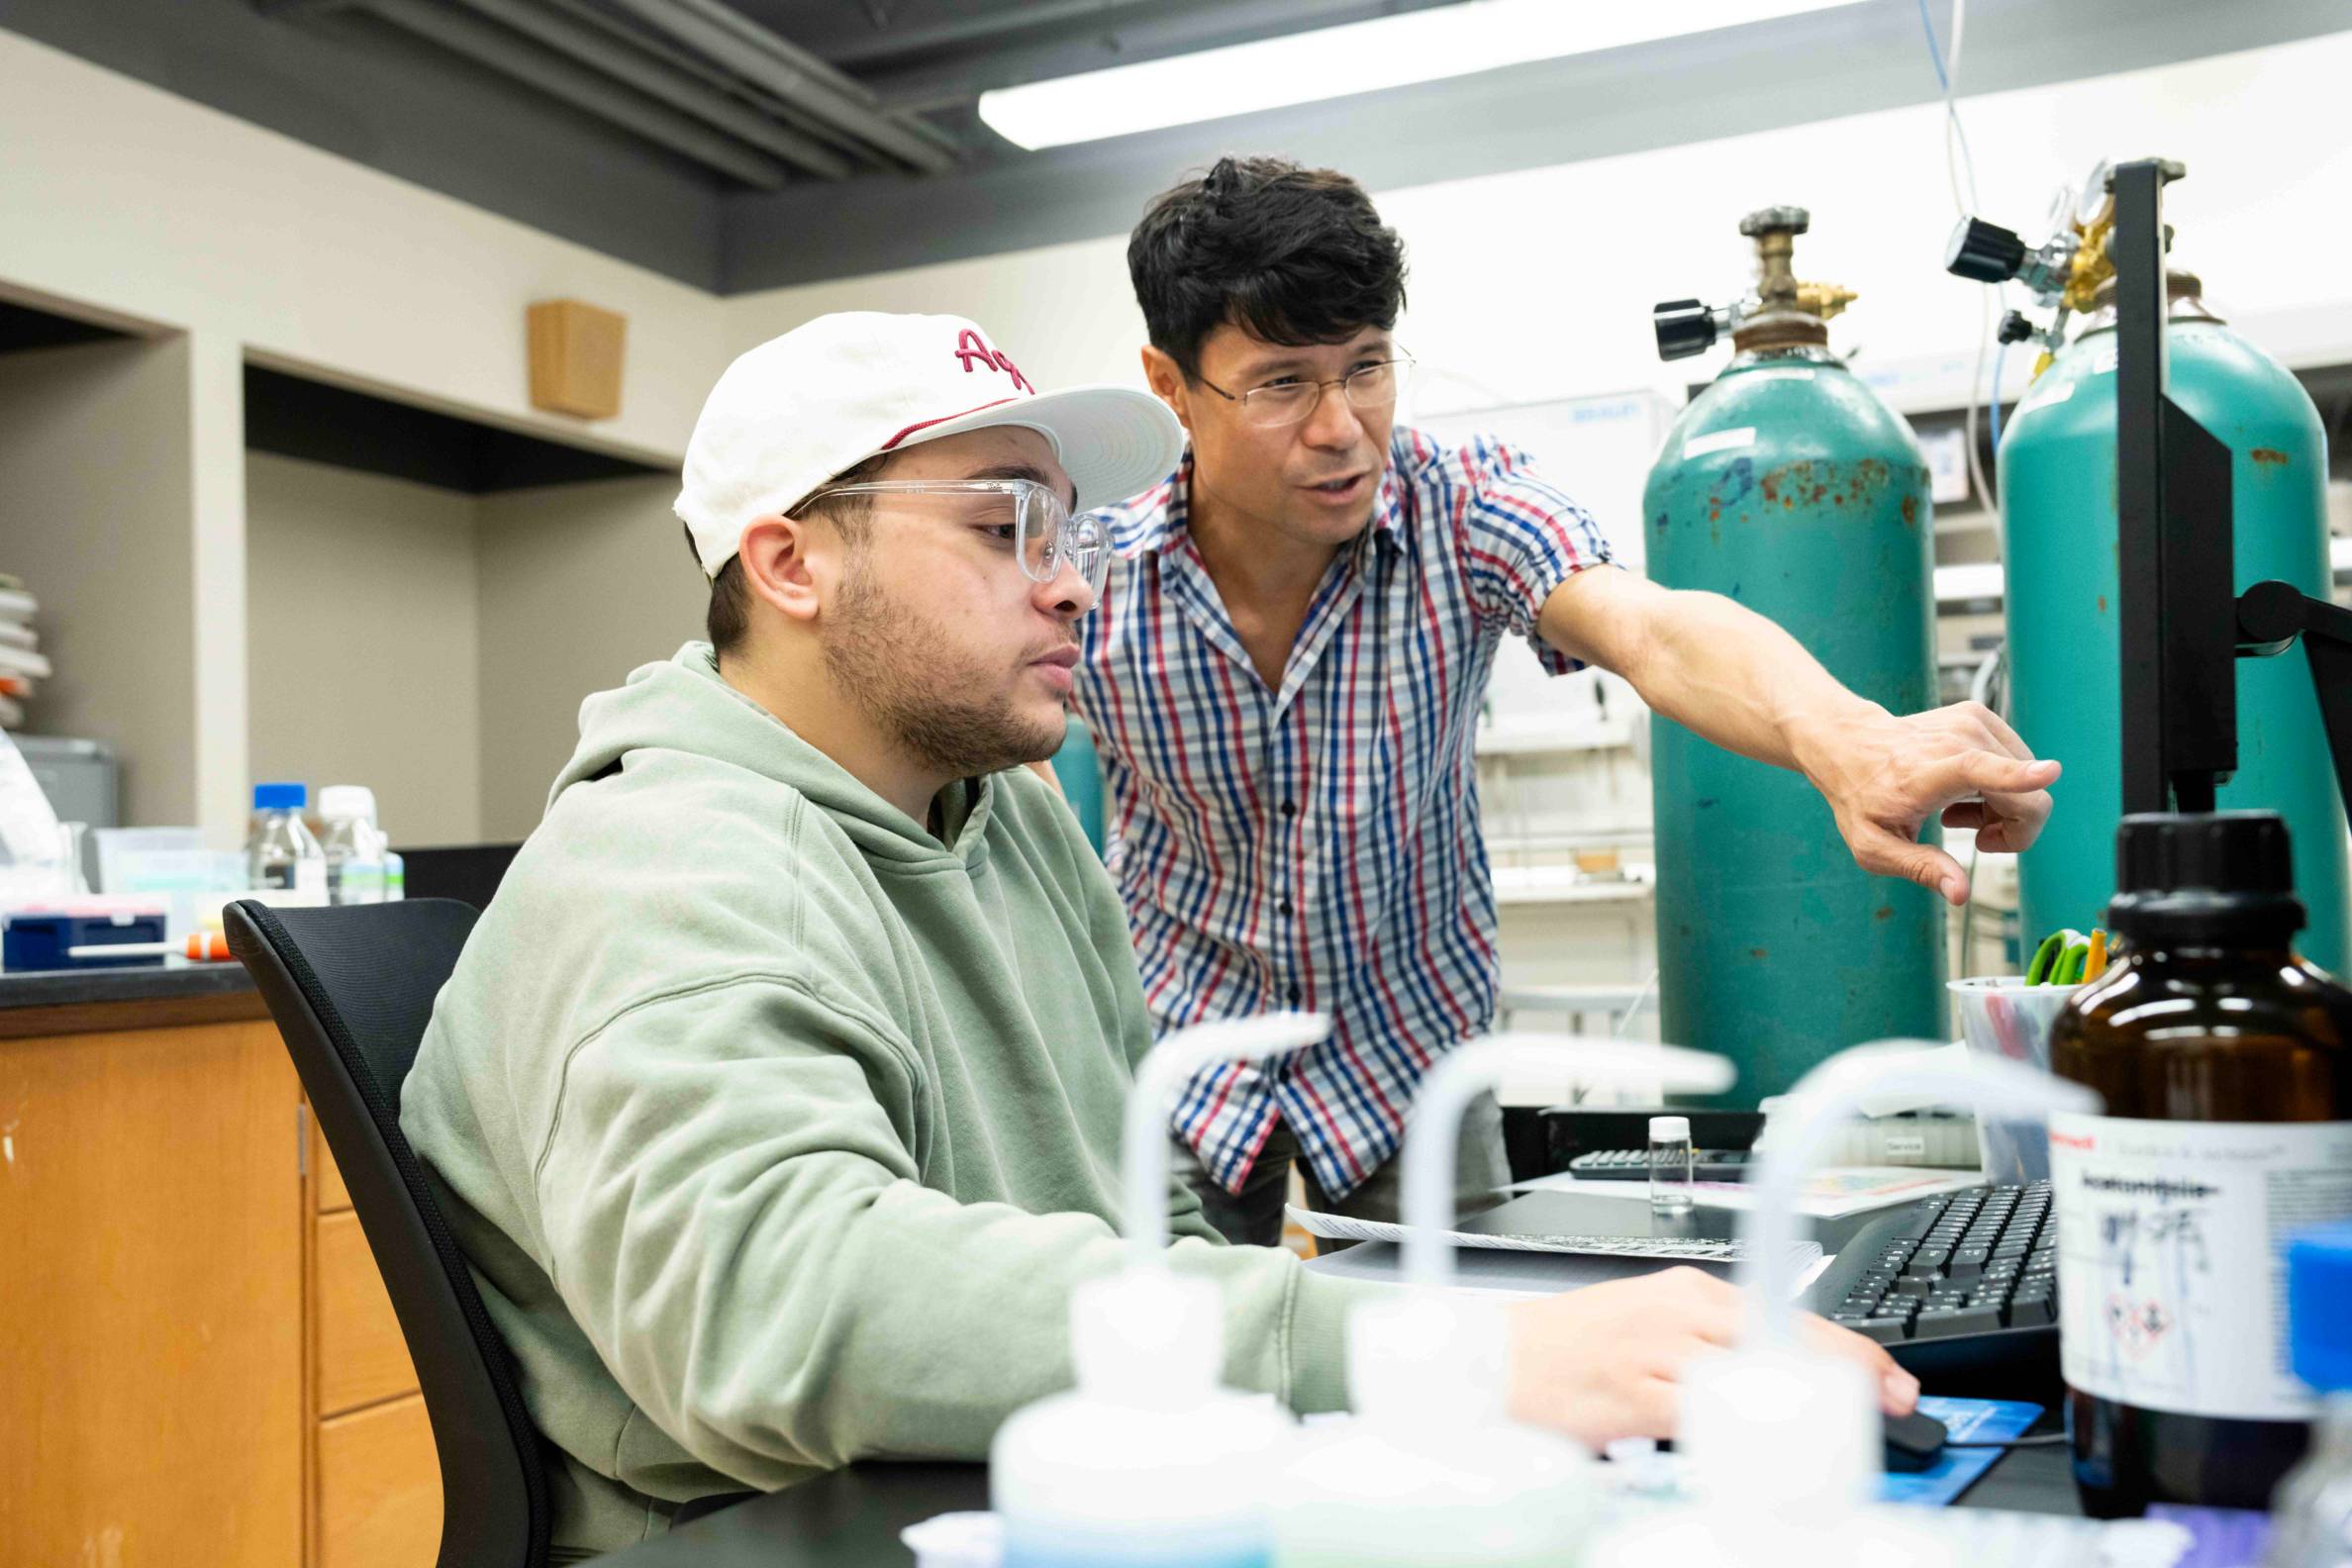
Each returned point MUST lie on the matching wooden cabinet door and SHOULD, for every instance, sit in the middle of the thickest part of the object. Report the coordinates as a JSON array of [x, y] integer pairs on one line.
[[150, 1299]]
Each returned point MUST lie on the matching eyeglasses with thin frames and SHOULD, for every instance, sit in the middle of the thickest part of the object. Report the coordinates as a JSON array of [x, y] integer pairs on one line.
[[1030, 519], [1371, 388]]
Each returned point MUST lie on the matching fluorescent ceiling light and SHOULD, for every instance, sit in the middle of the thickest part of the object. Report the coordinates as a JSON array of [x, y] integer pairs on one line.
[[1337, 62]]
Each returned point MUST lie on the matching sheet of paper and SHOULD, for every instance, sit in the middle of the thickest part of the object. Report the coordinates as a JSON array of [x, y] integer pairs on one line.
[[1341, 1228], [1520, 1274], [1829, 1192], [28, 824]]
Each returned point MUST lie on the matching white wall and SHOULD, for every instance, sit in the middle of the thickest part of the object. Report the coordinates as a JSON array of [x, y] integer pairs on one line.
[[1537, 285], [364, 660]]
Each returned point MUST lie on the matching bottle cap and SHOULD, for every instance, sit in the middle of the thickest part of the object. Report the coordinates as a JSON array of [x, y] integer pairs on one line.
[[2179, 873], [2319, 1307], [337, 802], [280, 797], [1670, 1130]]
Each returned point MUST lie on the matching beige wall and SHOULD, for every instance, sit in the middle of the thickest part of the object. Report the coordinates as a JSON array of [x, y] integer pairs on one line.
[[360, 598], [123, 203], [122, 197], [95, 497], [580, 584]]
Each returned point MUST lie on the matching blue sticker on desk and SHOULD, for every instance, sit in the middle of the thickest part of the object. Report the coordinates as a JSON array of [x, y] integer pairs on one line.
[[1965, 1421]]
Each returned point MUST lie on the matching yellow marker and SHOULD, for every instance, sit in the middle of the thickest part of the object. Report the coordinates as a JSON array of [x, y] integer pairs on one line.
[[2096, 965]]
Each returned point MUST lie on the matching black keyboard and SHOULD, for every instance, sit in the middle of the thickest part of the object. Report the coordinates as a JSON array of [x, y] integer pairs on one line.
[[1960, 1283], [1632, 1164]]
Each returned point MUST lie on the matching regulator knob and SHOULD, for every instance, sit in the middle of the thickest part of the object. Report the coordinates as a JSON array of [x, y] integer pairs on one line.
[[1984, 252], [1684, 327]]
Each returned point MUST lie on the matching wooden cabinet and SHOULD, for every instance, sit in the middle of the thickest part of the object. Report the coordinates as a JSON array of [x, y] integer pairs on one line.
[[372, 1497], [197, 1362], [150, 1301]]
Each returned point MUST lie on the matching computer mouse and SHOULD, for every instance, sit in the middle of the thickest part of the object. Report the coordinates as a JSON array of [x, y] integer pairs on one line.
[[1914, 1441]]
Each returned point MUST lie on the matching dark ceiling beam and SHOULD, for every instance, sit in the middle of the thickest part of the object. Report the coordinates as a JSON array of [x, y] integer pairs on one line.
[[713, 75], [511, 55], [770, 62], [631, 67], [889, 42]]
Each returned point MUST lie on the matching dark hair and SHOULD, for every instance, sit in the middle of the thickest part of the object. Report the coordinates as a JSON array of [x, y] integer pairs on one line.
[[1291, 255], [728, 619]]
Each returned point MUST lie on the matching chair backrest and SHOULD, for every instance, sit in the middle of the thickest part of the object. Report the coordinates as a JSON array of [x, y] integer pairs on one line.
[[351, 990]]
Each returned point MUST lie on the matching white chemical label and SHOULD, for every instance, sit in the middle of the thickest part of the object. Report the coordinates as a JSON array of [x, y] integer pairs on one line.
[[1719, 441], [2172, 1272]]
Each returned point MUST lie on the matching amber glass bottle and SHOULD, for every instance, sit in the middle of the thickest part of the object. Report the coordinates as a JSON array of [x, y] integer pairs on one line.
[[2226, 1062]]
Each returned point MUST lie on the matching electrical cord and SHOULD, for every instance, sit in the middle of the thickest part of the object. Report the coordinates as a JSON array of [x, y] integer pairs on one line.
[[1960, 174], [1992, 403]]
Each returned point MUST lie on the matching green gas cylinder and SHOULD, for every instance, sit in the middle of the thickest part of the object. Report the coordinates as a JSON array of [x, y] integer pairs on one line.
[[1788, 486], [2057, 465]]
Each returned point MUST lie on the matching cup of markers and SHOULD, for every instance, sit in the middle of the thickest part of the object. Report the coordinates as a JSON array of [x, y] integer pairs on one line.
[[2010, 1016]]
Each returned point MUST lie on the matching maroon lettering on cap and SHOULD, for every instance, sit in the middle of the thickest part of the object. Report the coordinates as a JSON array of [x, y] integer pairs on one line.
[[969, 348]]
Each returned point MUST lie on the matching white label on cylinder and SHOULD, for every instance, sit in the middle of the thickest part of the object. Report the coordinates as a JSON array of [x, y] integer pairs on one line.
[[1719, 441], [2172, 1268]]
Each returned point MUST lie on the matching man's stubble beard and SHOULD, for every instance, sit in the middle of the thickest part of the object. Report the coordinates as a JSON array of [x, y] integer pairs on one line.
[[888, 660]]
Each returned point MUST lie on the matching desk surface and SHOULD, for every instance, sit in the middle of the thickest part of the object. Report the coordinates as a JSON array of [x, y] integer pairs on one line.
[[851, 1518]]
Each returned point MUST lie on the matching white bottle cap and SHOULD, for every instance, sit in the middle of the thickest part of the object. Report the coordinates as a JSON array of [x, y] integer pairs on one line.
[[957, 1540], [1670, 1129], [340, 800]]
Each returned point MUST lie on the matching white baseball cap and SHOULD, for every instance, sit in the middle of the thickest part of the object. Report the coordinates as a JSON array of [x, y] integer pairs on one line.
[[793, 412]]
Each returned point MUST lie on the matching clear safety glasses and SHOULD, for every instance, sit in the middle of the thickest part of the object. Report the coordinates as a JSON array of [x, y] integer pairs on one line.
[[1027, 518]]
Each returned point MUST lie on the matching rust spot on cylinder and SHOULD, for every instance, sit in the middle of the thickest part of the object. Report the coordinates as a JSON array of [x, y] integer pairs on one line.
[[1884, 912], [2268, 454], [2102, 604], [1910, 511], [1759, 953]]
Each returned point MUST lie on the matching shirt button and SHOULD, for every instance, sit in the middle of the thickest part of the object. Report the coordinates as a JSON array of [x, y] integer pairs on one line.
[[1290, 808], [1295, 996], [1283, 908]]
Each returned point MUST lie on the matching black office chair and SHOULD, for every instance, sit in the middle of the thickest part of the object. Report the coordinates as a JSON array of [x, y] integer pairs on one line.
[[351, 990]]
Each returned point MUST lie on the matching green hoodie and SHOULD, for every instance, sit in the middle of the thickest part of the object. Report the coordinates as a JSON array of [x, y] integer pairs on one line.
[[778, 1130]]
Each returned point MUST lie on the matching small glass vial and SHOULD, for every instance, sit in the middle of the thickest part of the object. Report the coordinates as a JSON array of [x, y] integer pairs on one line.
[[1670, 1168]]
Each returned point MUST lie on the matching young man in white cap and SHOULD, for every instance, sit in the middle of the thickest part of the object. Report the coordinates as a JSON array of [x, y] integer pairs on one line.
[[776, 1098]]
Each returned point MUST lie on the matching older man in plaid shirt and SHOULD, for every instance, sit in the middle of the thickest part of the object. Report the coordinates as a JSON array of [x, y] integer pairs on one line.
[[1286, 668]]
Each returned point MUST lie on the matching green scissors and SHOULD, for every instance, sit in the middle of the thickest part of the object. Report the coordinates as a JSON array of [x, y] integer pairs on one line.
[[2068, 958]]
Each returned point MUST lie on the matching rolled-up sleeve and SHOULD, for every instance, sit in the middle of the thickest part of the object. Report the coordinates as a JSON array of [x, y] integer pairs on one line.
[[1518, 538]]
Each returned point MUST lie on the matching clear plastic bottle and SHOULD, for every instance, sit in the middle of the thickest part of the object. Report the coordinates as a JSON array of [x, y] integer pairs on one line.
[[2312, 1511], [353, 846], [1148, 1463], [1431, 1469], [281, 856], [1670, 1190], [2226, 1062]]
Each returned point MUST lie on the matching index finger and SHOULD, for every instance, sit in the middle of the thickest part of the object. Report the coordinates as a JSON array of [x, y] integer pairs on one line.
[[1964, 773], [1897, 1389]]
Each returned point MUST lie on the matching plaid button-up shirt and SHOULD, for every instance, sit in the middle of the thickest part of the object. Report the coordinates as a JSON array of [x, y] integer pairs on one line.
[[1318, 847]]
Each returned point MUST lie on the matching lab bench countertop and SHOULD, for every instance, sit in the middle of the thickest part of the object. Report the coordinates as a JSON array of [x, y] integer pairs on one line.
[[851, 1518], [142, 996]]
